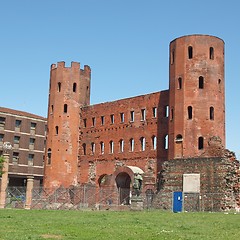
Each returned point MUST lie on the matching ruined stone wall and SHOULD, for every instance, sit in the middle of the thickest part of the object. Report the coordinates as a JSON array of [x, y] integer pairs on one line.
[[114, 122], [219, 179]]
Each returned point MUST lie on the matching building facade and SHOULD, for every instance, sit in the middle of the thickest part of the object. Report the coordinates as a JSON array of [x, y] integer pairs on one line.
[[108, 144], [26, 133]]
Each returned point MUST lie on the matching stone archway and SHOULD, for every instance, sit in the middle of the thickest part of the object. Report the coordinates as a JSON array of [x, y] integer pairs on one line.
[[123, 178]]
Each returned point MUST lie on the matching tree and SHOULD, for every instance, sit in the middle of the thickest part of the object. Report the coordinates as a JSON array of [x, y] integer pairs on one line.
[[1, 165]]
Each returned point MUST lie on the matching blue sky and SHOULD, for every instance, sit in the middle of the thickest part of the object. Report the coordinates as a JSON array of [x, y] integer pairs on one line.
[[125, 42]]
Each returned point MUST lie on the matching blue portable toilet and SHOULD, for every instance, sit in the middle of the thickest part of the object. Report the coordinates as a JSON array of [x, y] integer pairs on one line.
[[177, 202]]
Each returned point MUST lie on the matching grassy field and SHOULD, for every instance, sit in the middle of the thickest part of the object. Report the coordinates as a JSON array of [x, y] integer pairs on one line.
[[67, 225]]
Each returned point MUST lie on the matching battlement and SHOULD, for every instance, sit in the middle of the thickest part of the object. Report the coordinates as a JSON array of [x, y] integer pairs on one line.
[[76, 65]]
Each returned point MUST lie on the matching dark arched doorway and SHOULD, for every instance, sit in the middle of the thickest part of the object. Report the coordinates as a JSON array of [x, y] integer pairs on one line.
[[123, 181]]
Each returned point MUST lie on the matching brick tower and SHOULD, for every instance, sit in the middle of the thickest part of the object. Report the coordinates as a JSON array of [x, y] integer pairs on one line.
[[196, 90], [69, 90]]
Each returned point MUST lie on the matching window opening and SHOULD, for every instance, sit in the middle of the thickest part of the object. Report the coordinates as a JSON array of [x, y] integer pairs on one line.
[[65, 108], [84, 148], [93, 121], [30, 159], [1, 137], [51, 109], [102, 147], [121, 145], [131, 145], [154, 142], [200, 143], [179, 138], [85, 122], [211, 113], [18, 123], [49, 155], [166, 111], [154, 109], [15, 158], [190, 52], [93, 147], [56, 130], [166, 142], [2, 122], [143, 114], [189, 112], [74, 87], [112, 118], [201, 82], [219, 85], [122, 117], [143, 143], [211, 53], [179, 83], [111, 146], [132, 116], [59, 87], [102, 120]]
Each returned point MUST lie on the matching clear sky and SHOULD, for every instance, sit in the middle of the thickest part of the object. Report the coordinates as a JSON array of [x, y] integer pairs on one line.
[[125, 42]]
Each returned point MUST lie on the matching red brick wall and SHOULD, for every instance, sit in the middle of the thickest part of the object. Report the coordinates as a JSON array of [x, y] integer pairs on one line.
[[71, 86], [98, 163], [211, 94]]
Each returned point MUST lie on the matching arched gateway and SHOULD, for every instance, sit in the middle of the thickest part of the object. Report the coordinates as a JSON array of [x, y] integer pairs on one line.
[[123, 178]]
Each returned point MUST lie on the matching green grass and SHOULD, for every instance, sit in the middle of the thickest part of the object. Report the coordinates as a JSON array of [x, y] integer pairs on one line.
[[56, 224]]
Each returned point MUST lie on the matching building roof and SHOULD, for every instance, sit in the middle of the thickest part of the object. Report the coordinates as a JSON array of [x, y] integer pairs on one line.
[[21, 113]]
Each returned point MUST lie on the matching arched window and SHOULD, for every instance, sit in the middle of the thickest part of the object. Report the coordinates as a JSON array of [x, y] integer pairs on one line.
[[200, 143], [154, 142], [211, 53], [219, 85], [111, 147], [131, 142], [179, 83], [179, 138], [201, 82], [51, 109], [190, 52], [143, 143], [65, 108], [166, 111], [59, 87], [166, 142], [84, 148], [211, 113], [121, 145], [56, 130], [93, 147], [74, 87], [49, 155], [189, 112], [102, 147]]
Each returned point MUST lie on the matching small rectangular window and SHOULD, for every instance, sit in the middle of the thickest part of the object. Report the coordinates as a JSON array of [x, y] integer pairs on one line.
[[31, 143], [190, 52], [15, 158], [16, 140], [84, 122], [112, 118], [122, 117], [33, 128], [93, 121], [18, 124], [132, 116], [143, 114], [2, 122], [166, 111], [30, 159], [1, 137], [154, 112], [102, 120]]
